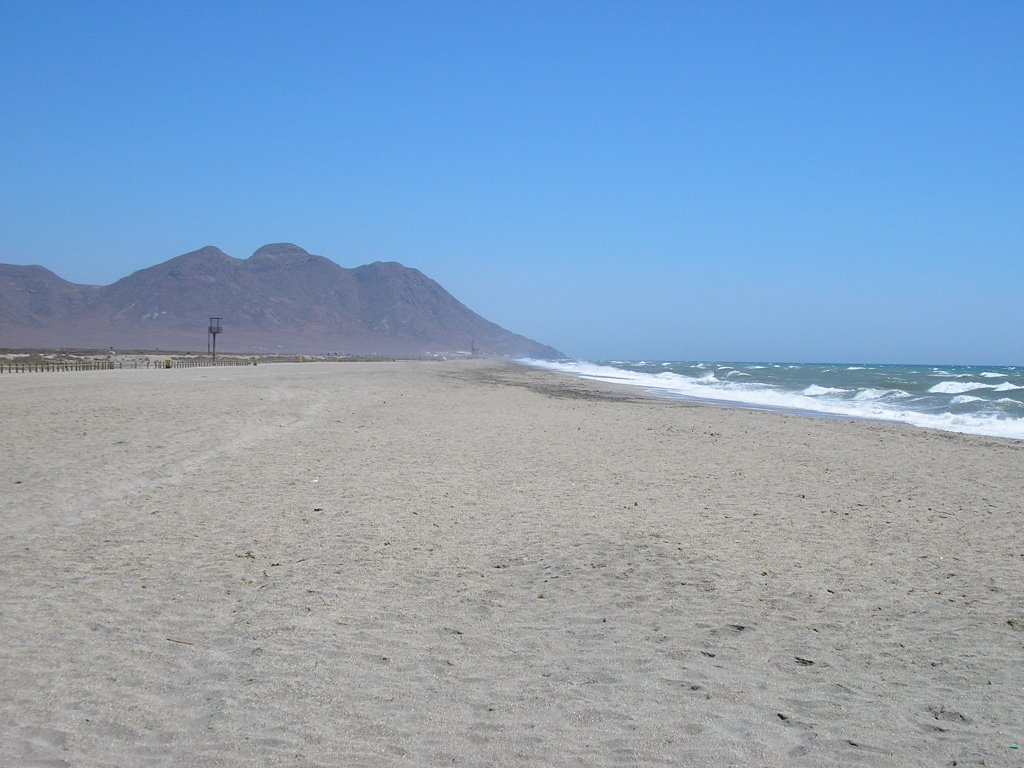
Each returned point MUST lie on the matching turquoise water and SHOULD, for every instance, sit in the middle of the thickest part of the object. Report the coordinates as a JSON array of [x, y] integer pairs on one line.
[[986, 400]]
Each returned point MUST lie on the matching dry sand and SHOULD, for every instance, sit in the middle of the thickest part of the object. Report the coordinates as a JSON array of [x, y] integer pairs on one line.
[[480, 564]]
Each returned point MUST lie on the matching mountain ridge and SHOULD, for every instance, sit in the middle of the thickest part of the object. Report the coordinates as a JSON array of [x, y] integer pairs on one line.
[[280, 299]]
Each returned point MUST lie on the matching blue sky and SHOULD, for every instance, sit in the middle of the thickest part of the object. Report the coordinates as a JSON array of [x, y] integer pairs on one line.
[[839, 181]]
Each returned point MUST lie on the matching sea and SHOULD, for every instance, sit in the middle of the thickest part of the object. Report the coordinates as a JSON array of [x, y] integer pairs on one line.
[[980, 400]]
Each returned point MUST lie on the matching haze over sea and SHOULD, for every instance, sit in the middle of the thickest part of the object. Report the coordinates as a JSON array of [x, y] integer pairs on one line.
[[981, 400]]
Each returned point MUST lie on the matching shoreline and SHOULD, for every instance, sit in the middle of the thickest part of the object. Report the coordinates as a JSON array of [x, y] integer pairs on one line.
[[483, 563], [641, 393], [943, 420]]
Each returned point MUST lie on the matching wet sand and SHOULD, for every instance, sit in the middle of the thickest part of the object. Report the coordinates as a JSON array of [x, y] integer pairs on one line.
[[476, 563]]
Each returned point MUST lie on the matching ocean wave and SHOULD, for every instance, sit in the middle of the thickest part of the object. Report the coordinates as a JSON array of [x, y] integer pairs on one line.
[[958, 387], [878, 404], [992, 375], [962, 399], [881, 394], [815, 391]]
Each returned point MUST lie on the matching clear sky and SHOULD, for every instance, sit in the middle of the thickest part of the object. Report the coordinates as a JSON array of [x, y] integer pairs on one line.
[[798, 181]]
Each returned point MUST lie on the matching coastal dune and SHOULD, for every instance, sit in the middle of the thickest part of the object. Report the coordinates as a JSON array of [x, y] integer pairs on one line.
[[478, 563]]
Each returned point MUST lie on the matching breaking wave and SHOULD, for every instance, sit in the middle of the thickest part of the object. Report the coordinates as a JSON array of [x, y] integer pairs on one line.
[[853, 391]]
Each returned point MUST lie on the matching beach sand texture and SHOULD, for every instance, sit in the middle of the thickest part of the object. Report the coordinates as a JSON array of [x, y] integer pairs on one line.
[[481, 564]]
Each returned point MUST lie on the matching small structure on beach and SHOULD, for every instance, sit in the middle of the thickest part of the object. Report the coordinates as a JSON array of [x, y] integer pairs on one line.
[[211, 338]]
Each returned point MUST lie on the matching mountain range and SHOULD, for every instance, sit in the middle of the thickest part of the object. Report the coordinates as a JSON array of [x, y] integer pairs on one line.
[[281, 299]]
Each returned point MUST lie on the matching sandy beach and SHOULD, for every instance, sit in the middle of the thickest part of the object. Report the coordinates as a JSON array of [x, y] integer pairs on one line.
[[481, 564]]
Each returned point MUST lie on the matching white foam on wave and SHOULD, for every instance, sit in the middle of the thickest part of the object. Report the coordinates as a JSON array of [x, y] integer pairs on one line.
[[959, 387], [875, 404], [992, 375], [816, 391], [880, 394], [707, 378], [961, 399]]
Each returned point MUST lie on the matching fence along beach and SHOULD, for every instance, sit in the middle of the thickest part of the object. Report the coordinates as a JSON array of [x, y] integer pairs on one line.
[[417, 563]]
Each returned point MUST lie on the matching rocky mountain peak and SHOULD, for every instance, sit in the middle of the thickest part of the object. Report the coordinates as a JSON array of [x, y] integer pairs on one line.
[[281, 299], [279, 254]]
